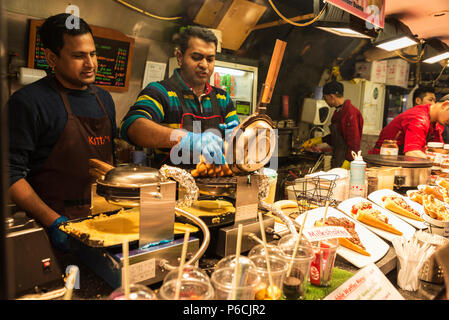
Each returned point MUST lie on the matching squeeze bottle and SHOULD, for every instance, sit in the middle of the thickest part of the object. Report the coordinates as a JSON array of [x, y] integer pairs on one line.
[[357, 173]]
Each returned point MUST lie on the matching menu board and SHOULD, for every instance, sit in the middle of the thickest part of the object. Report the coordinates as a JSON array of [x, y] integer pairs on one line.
[[114, 55]]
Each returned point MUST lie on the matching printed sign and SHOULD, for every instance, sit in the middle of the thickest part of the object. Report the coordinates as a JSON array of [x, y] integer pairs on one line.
[[369, 283], [372, 11], [324, 233]]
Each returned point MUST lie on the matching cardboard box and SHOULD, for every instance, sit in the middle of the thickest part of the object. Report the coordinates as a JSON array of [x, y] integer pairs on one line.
[[397, 73], [375, 71]]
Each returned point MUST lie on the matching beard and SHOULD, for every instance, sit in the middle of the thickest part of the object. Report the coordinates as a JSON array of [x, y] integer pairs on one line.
[[75, 82]]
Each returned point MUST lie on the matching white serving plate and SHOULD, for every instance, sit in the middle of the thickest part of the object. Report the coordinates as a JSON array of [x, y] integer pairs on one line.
[[376, 197], [407, 230], [373, 244]]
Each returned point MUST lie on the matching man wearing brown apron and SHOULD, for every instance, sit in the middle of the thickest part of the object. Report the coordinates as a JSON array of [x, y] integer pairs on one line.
[[180, 117], [56, 125], [346, 126]]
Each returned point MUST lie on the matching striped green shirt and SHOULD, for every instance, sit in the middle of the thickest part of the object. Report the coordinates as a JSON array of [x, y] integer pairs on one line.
[[156, 103]]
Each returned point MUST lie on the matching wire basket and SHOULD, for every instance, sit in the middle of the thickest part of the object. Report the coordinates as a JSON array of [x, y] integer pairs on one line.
[[314, 192]]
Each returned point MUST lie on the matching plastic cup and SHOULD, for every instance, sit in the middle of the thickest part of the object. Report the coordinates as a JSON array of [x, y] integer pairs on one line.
[[408, 274], [278, 268], [229, 261], [223, 282], [195, 285], [259, 249], [323, 262], [295, 283], [272, 179], [136, 292]]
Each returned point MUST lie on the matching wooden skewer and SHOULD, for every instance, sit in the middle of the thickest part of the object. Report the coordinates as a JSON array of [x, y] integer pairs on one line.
[[267, 256], [125, 284], [237, 263], [297, 245], [181, 263]]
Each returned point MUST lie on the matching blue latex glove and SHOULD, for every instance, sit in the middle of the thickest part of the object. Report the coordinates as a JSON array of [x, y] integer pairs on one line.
[[57, 237], [207, 144], [227, 126]]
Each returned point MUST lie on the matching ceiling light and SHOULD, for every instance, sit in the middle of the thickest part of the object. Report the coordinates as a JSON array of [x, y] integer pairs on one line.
[[344, 32], [394, 36], [437, 58], [397, 44], [342, 23], [435, 51]]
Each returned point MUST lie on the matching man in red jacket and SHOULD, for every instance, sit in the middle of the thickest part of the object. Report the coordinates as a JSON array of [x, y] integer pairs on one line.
[[346, 126], [412, 129]]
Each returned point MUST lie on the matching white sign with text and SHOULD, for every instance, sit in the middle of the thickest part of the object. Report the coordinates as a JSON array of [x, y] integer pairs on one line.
[[325, 233], [369, 283]]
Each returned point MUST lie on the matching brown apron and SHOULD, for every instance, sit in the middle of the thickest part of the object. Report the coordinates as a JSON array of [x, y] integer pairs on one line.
[[338, 144], [63, 182]]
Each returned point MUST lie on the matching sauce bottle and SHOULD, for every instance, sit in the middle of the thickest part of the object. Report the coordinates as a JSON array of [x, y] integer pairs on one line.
[[357, 174]]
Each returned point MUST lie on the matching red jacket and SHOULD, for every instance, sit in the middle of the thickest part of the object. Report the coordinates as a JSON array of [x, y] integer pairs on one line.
[[412, 130], [349, 122]]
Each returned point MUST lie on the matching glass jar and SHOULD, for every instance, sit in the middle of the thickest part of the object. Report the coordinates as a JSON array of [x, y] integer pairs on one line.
[[444, 165], [389, 148], [434, 152]]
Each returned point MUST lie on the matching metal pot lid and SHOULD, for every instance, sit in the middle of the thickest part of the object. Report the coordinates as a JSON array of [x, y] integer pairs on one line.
[[397, 161], [130, 176], [252, 143]]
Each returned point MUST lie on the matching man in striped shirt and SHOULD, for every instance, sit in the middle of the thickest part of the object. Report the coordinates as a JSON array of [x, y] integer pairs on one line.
[[184, 111]]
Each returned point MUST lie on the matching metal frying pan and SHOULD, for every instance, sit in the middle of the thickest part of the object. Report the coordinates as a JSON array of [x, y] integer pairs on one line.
[[253, 142]]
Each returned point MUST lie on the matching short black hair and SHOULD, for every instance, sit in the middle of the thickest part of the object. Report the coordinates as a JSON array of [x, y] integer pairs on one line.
[[421, 92], [334, 87], [195, 32], [53, 29]]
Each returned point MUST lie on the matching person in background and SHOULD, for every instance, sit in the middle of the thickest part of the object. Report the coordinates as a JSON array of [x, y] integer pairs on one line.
[[415, 127], [56, 125], [424, 95], [166, 112], [346, 126]]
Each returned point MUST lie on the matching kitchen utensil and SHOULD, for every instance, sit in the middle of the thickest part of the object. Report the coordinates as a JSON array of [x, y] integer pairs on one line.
[[252, 142]]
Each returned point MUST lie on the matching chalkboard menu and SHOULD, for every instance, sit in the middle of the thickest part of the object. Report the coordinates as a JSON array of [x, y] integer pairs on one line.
[[114, 55]]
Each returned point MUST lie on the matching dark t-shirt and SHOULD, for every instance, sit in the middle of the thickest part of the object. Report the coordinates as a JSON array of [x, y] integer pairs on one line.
[[37, 118]]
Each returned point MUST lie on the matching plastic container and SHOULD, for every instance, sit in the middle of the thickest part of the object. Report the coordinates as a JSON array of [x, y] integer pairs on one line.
[[384, 177], [357, 180], [435, 152], [323, 262], [389, 148], [223, 282], [295, 284], [195, 285], [272, 178], [278, 268]]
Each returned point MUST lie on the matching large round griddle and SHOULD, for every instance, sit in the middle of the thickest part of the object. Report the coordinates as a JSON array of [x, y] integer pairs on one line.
[[397, 161]]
